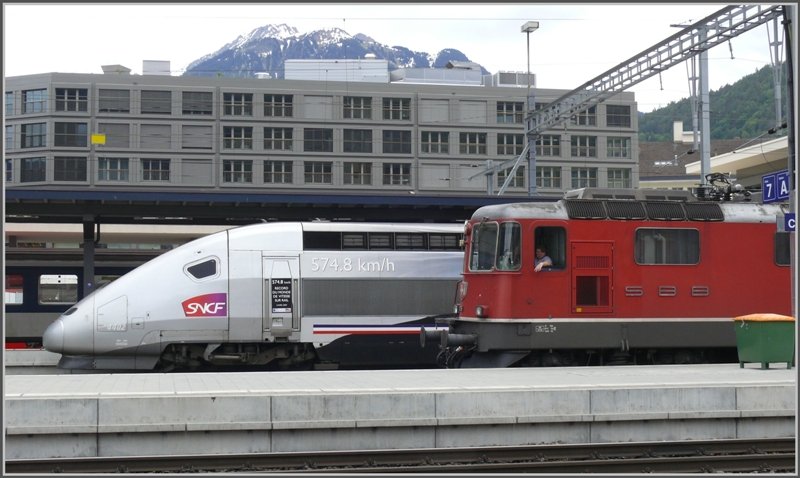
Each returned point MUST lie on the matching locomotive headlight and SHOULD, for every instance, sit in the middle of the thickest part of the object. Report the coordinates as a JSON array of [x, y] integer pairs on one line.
[[482, 311]]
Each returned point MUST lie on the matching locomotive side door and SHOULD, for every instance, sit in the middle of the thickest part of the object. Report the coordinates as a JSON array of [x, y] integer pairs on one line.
[[592, 276], [281, 296]]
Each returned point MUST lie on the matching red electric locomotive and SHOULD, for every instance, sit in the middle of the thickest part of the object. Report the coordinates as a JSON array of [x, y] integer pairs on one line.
[[638, 277]]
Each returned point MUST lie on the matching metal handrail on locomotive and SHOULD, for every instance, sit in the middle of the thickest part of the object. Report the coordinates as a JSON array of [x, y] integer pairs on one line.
[[637, 277], [272, 295]]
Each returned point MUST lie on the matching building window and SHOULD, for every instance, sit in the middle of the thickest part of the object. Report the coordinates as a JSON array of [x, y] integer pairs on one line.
[[548, 177], [70, 134], [584, 178], [237, 171], [517, 181], [67, 168], [318, 172], [118, 135], [396, 109], [238, 104], [72, 99], [156, 102], [9, 137], [115, 101], [278, 105], [112, 169], [32, 169], [509, 111], [358, 173], [9, 103], [583, 146], [548, 145], [510, 144], [435, 142], [618, 147], [198, 103], [33, 101], [357, 141], [9, 170], [357, 107], [278, 172], [667, 246], [619, 178], [587, 117], [397, 142], [155, 169], [237, 137], [318, 140], [154, 136], [278, 139], [618, 116], [472, 143], [197, 137], [33, 135], [397, 174]]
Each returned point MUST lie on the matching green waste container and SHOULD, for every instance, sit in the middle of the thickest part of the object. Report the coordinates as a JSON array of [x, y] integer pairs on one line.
[[765, 339]]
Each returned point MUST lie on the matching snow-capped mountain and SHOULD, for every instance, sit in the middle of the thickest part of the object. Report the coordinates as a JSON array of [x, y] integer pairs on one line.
[[265, 49]]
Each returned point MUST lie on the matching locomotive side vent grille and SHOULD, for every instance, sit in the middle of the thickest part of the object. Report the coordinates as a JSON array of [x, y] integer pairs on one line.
[[665, 211], [625, 210], [591, 262], [585, 209], [704, 211]]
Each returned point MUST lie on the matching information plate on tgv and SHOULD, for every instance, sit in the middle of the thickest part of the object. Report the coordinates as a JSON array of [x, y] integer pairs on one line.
[[775, 187]]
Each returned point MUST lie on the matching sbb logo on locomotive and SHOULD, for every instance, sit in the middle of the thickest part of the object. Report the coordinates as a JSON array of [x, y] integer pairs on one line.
[[207, 305]]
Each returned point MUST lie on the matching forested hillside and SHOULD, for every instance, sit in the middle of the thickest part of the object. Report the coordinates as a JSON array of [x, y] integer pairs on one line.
[[745, 109]]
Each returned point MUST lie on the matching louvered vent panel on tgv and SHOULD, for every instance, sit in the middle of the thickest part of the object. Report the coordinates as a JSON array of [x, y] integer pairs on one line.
[[585, 209]]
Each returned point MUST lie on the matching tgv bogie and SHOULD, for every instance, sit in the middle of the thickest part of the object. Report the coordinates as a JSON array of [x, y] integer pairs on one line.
[[274, 296]]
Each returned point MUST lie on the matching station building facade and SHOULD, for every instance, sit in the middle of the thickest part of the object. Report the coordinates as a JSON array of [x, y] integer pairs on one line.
[[384, 135]]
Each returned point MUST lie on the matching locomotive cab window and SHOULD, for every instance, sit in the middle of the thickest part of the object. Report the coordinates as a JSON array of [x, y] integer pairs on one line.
[[508, 247], [554, 242], [667, 246], [483, 247], [495, 247], [203, 269]]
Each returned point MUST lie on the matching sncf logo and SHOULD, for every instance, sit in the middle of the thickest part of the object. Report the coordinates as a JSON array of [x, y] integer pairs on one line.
[[208, 305]]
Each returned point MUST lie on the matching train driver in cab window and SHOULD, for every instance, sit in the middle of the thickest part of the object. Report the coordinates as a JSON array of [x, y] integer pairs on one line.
[[542, 261]]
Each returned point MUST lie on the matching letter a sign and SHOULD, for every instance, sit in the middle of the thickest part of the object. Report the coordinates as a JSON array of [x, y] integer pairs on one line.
[[775, 187]]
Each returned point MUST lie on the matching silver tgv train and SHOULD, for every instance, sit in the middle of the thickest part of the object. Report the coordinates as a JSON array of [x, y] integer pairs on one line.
[[274, 295]]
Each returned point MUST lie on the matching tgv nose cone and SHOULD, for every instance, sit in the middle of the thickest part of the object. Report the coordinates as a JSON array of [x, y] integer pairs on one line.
[[53, 338]]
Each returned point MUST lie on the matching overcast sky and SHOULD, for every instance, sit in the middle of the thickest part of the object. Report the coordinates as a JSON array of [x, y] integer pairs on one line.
[[574, 43]]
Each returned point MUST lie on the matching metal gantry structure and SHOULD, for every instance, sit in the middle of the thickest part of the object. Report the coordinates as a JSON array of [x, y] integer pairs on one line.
[[698, 37]]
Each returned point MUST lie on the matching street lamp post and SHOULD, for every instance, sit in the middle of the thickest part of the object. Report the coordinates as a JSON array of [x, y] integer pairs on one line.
[[529, 27]]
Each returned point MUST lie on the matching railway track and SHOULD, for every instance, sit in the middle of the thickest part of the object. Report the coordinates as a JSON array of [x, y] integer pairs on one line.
[[708, 456]]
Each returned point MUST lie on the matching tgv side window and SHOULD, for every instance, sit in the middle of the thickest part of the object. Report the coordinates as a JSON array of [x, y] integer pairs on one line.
[[483, 247], [667, 246], [203, 269]]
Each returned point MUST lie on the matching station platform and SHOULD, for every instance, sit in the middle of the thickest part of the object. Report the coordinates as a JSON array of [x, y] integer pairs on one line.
[[31, 361], [257, 412]]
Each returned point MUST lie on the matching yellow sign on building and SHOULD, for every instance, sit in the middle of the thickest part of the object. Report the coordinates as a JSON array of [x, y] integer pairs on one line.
[[98, 138]]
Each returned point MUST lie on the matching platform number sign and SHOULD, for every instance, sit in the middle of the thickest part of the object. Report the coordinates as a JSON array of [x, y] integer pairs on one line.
[[775, 187]]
